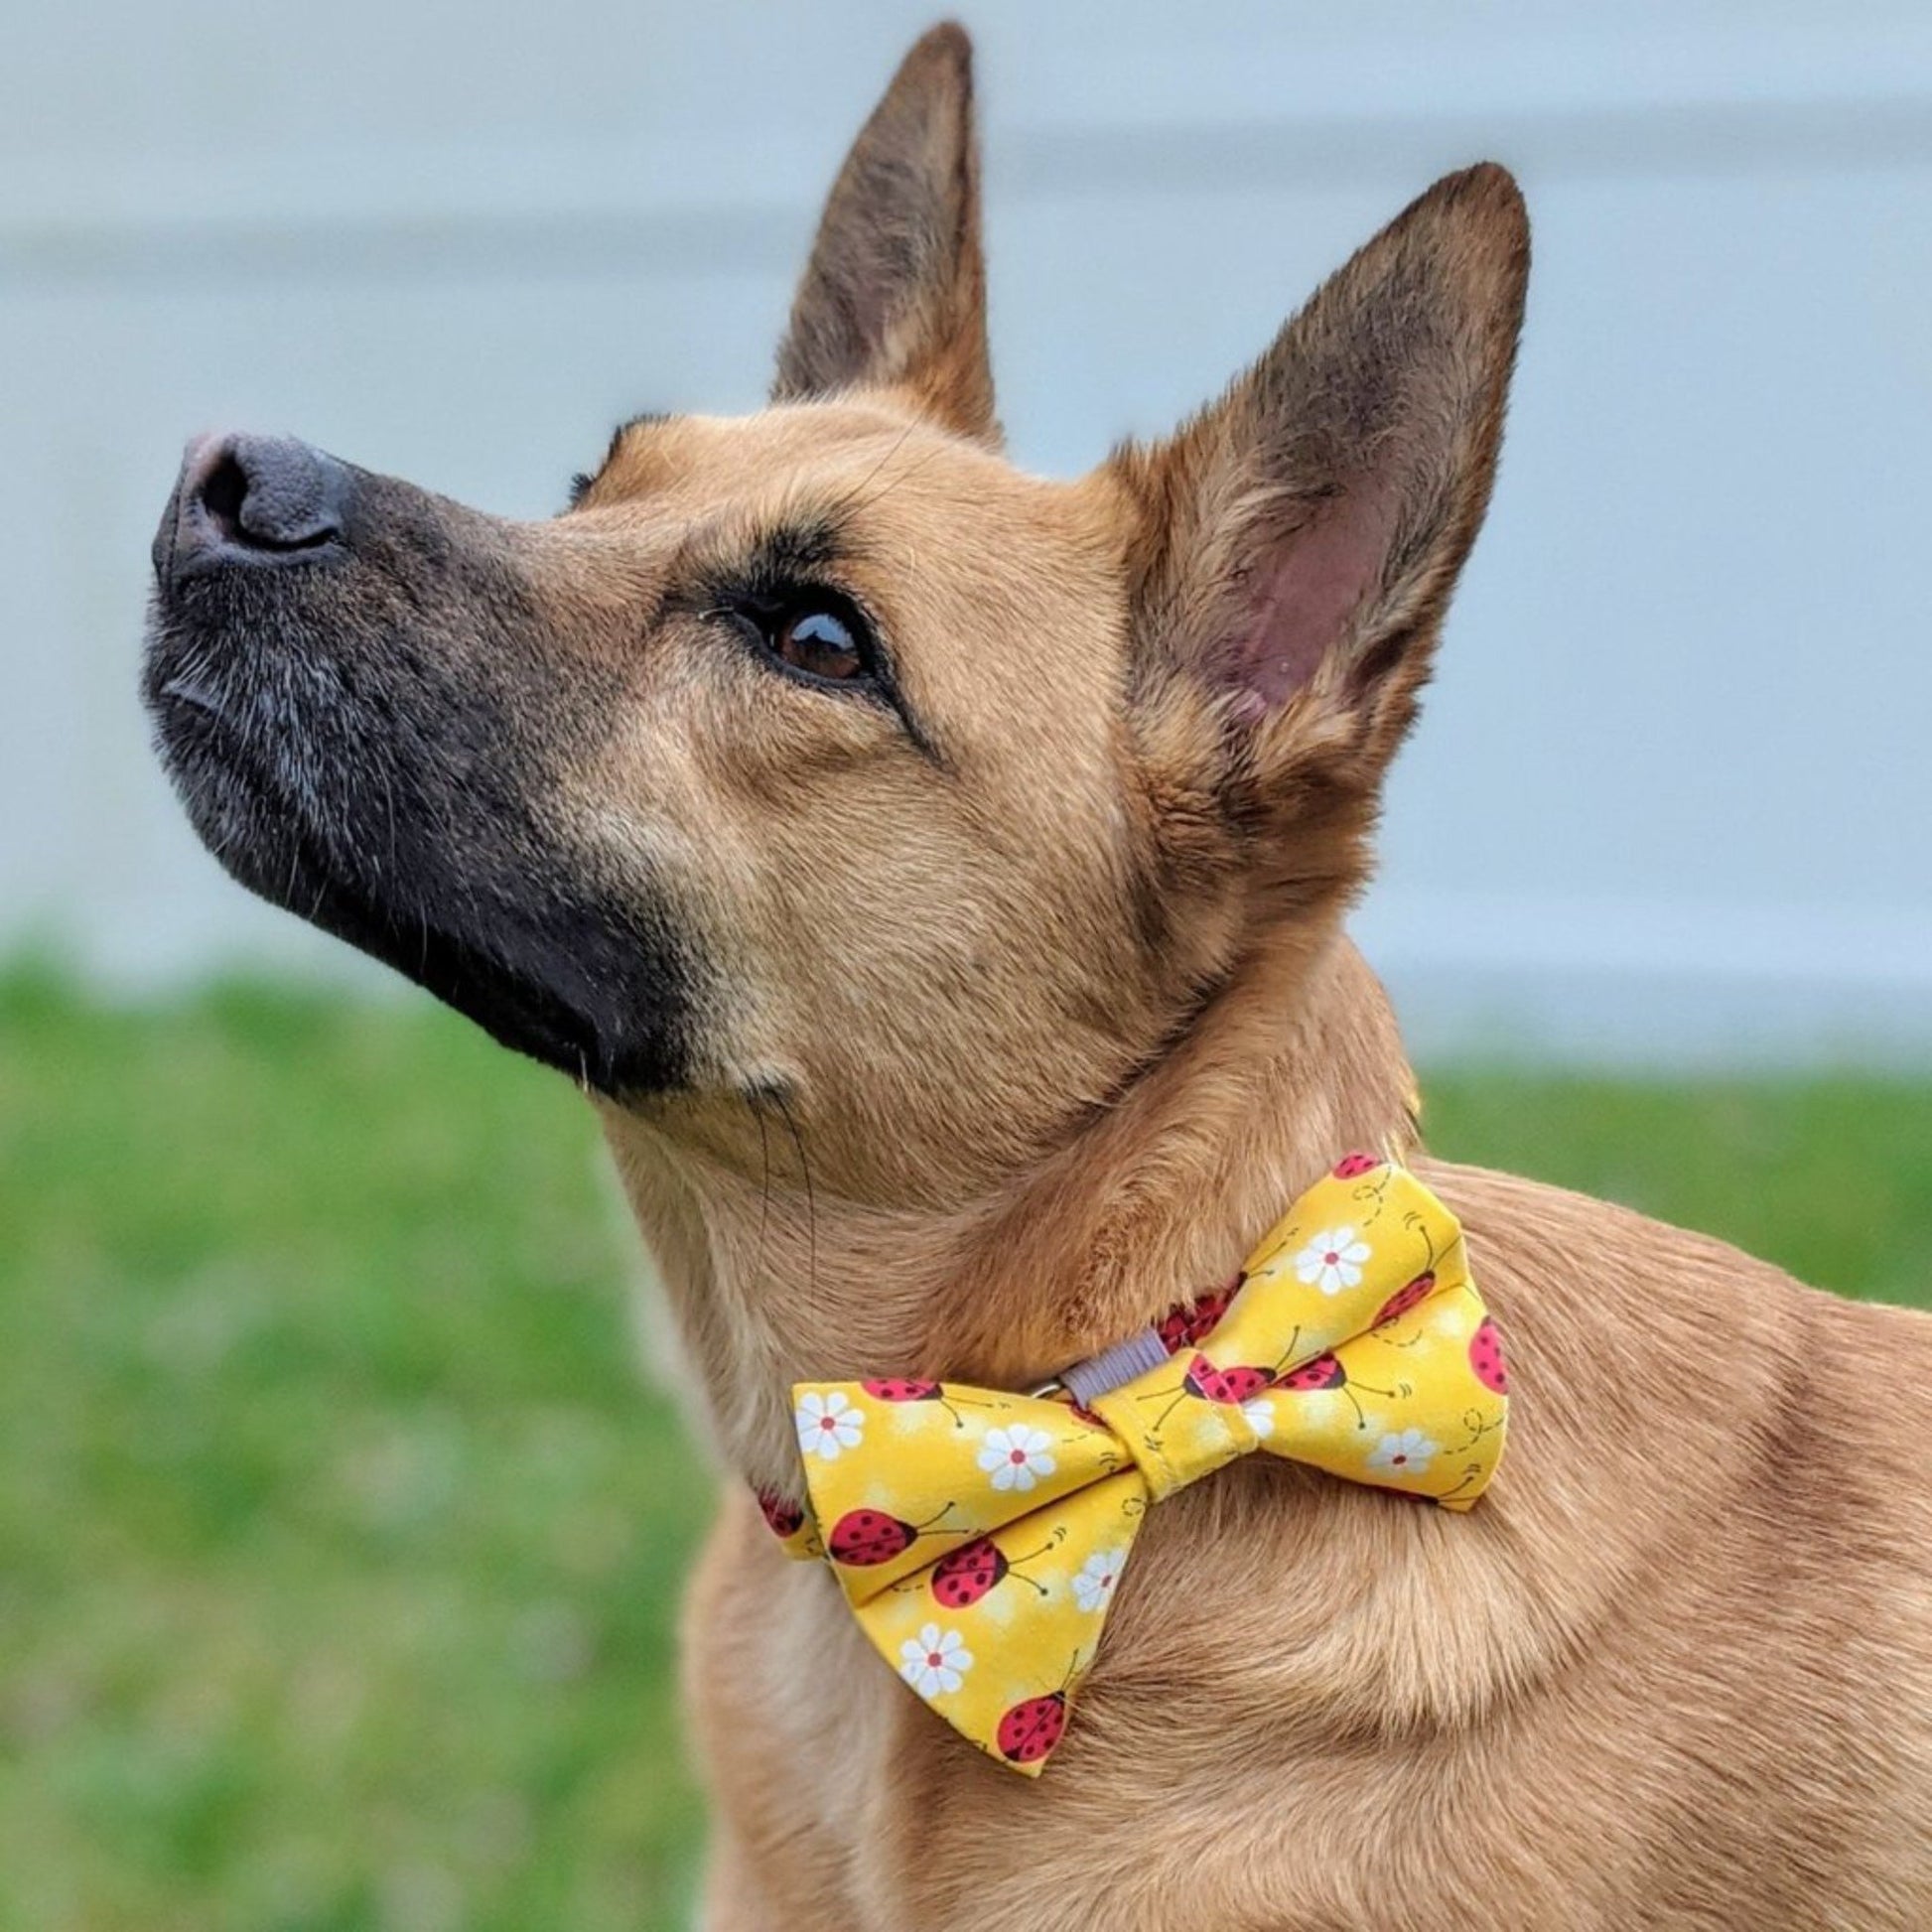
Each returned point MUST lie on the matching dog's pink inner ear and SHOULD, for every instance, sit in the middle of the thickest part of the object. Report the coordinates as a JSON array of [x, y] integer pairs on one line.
[[1296, 597]]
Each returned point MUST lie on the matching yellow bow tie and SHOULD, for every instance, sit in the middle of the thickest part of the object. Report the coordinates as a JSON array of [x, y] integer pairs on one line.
[[979, 1536]]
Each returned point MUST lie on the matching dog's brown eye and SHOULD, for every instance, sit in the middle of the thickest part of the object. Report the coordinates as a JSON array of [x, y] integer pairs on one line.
[[820, 643], [813, 634]]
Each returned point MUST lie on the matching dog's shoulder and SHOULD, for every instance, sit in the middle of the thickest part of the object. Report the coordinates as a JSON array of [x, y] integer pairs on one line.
[[1580, 1255], [1693, 1377]]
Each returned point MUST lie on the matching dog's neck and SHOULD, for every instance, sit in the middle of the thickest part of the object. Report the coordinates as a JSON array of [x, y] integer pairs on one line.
[[1294, 1062]]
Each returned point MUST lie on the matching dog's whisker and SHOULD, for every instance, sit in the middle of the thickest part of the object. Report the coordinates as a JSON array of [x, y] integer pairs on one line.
[[389, 809], [764, 1185], [865, 483], [811, 1200], [858, 502]]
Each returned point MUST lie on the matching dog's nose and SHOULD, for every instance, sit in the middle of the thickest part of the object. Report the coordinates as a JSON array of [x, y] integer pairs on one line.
[[259, 500]]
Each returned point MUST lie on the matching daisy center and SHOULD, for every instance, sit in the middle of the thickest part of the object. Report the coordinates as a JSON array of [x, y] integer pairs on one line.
[[933, 1660], [1016, 1455], [1332, 1257], [828, 1421]]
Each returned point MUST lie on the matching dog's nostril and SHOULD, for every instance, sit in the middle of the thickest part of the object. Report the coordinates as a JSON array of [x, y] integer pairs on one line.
[[268, 494], [223, 493]]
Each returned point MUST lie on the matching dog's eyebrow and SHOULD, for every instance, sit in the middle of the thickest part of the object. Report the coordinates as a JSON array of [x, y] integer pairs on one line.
[[729, 554], [735, 555], [787, 551], [727, 557]]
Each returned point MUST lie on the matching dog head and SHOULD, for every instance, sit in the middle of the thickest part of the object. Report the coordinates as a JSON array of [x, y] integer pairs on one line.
[[822, 756]]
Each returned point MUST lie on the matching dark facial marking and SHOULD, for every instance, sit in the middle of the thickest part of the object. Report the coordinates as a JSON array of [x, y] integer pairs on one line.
[[370, 736]]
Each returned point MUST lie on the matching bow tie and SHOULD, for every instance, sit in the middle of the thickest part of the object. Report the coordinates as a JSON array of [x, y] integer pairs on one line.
[[979, 1536]]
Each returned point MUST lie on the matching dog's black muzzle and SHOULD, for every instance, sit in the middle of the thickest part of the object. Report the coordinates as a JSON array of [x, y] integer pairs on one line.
[[367, 710]]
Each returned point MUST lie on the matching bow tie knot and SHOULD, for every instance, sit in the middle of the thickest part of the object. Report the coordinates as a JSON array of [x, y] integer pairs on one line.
[[1218, 1425], [979, 1535]]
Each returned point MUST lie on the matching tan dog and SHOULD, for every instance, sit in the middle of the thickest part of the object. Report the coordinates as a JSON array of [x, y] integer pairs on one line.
[[938, 875]]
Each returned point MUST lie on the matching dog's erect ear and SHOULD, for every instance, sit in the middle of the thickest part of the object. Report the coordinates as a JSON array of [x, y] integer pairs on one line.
[[895, 293], [1297, 542]]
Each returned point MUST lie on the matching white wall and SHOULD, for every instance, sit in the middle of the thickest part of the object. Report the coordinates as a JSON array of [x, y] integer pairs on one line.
[[1673, 793]]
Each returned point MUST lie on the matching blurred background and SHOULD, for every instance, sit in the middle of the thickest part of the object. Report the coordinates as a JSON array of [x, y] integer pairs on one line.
[[339, 1536]]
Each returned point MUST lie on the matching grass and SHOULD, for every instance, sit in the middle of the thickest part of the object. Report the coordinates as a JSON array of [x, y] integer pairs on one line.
[[340, 1543]]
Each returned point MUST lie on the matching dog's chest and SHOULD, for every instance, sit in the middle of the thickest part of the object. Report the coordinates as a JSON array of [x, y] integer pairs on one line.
[[1171, 1804]]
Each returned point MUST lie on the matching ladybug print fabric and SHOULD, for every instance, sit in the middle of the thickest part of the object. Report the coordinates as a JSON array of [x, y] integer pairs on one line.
[[979, 1535], [791, 1523]]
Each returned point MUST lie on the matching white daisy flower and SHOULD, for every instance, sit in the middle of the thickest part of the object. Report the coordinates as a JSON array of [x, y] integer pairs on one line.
[[1332, 1261], [828, 1425], [1016, 1458], [934, 1661], [1093, 1588], [1406, 1455]]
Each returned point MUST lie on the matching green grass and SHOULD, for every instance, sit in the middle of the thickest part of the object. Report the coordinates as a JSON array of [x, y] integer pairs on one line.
[[340, 1542], [339, 1546]]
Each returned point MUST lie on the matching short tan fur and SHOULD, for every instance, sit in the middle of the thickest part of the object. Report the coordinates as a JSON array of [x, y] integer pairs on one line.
[[1090, 1022]]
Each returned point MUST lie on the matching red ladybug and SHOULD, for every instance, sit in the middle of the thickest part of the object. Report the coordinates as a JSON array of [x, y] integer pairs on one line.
[[893, 1388], [1232, 1385], [962, 1576], [861, 1537], [1207, 1383], [1351, 1166], [1030, 1730], [1404, 1298], [1486, 1356], [1193, 1322], [782, 1518], [1324, 1372], [1318, 1372], [899, 1389]]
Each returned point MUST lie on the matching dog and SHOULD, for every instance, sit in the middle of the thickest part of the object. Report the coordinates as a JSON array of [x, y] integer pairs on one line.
[[934, 877]]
